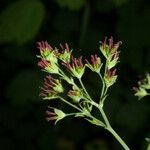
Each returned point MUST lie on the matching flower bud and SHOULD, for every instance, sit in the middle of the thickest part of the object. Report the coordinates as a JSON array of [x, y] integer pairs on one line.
[[47, 52], [140, 92], [110, 77], [95, 64], [146, 82], [65, 54], [110, 48], [76, 67], [75, 94], [112, 60], [48, 66], [57, 115], [51, 88]]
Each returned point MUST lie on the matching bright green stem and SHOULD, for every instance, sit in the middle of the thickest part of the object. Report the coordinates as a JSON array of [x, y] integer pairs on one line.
[[111, 130], [118, 138]]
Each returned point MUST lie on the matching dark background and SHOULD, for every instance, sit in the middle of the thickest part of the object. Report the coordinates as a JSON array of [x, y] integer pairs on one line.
[[82, 24]]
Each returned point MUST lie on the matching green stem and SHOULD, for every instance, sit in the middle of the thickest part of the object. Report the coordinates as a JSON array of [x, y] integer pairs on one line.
[[118, 138], [111, 130], [104, 116], [103, 86], [71, 114], [85, 89], [70, 104]]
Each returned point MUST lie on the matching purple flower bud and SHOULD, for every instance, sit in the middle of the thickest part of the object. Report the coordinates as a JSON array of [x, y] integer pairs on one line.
[[95, 64], [51, 87], [76, 67]]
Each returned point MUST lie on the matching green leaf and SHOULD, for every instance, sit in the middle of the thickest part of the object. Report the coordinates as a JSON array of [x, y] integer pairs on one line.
[[20, 21], [96, 122], [71, 4], [24, 88]]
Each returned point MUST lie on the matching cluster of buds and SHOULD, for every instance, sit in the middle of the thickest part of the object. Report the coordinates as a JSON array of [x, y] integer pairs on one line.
[[48, 66], [49, 60], [111, 53], [75, 94], [108, 50], [52, 87], [47, 52], [143, 87], [95, 64], [76, 68], [54, 60], [110, 77], [65, 54]]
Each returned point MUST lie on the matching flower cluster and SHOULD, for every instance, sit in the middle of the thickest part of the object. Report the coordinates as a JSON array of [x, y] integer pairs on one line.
[[51, 88], [110, 77], [76, 68], [111, 53], [65, 54], [64, 68], [95, 64], [143, 86], [75, 94]]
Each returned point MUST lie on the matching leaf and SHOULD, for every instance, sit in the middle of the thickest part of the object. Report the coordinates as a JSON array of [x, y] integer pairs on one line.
[[71, 4], [96, 122], [24, 88], [21, 21]]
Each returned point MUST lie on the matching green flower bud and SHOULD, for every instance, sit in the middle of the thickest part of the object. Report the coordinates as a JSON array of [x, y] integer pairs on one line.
[[52, 87], [112, 60], [49, 67], [95, 65], [75, 94], [76, 68], [146, 82], [47, 52], [57, 115], [57, 86], [110, 48], [110, 77], [65, 54], [140, 92]]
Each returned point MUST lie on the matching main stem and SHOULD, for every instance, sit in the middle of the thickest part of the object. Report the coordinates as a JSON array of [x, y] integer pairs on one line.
[[111, 130]]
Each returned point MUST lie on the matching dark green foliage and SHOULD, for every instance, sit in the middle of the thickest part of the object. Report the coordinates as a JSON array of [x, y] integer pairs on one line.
[[82, 23], [20, 21]]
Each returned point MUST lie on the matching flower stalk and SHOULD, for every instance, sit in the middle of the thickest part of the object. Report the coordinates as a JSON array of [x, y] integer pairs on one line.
[[53, 61]]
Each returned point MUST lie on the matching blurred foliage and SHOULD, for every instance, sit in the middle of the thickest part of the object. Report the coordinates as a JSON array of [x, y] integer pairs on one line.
[[81, 23], [20, 21], [24, 80], [71, 4]]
